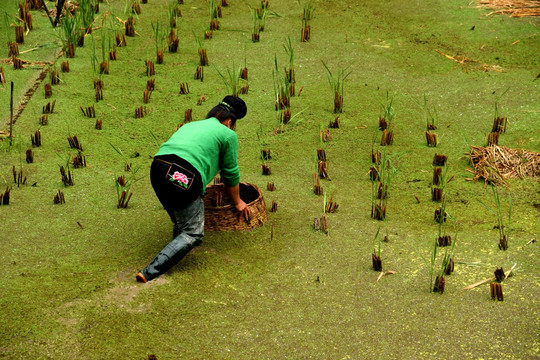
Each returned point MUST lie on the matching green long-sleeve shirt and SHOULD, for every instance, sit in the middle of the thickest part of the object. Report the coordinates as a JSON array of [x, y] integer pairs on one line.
[[209, 146]]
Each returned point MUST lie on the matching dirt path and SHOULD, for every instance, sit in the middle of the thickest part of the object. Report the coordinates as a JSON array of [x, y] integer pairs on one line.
[[44, 70]]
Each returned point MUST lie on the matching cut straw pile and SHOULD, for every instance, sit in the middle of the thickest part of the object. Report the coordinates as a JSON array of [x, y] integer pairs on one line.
[[494, 164], [514, 8]]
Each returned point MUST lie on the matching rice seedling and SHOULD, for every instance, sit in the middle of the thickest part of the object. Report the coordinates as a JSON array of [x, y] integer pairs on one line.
[[325, 135], [336, 84], [290, 74], [98, 82], [120, 40], [98, 87], [105, 43], [99, 124], [439, 160], [4, 197], [224, 3], [67, 178], [159, 38], [173, 12], [172, 41], [232, 79], [273, 208], [431, 268], [375, 154], [256, 26], [307, 16], [440, 180], [65, 66], [18, 177], [140, 112], [69, 34], [78, 160], [321, 224], [49, 108], [13, 48], [89, 112], [25, 16], [499, 274], [123, 186], [270, 186], [48, 91], [281, 88], [431, 116], [381, 178], [386, 121], [499, 124], [129, 25], [376, 254], [443, 239], [492, 139], [59, 198], [74, 143], [150, 71], [146, 96], [19, 34], [44, 119], [36, 139], [330, 206], [135, 7], [431, 139], [335, 124], [317, 188], [29, 156], [504, 228], [261, 13], [17, 64], [496, 291], [215, 11], [203, 56], [244, 72], [188, 115], [199, 73], [201, 100], [86, 13], [266, 170], [322, 169]]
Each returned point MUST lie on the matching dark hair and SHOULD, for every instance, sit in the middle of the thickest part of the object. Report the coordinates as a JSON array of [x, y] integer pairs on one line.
[[221, 114], [231, 107]]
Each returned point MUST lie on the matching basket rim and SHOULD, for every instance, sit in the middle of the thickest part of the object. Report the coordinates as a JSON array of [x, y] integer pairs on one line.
[[226, 207]]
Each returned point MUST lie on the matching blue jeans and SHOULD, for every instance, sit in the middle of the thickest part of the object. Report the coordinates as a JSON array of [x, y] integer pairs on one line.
[[188, 233]]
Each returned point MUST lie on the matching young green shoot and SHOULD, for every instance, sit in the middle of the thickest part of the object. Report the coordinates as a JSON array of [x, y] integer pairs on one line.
[[430, 265], [336, 84], [388, 110], [159, 35], [503, 228], [232, 79], [497, 99]]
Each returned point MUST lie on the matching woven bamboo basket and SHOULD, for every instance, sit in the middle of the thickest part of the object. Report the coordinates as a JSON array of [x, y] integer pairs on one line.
[[220, 213]]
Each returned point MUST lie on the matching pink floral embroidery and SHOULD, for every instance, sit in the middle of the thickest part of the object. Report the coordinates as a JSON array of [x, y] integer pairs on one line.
[[180, 177]]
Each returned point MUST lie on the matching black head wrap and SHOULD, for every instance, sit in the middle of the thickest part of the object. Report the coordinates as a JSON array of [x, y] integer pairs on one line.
[[234, 105]]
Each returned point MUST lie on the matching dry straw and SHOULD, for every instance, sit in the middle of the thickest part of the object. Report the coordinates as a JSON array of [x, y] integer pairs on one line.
[[495, 164], [514, 8]]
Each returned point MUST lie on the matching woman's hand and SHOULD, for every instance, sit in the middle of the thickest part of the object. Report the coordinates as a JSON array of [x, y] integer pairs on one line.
[[241, 207], [242, 210]]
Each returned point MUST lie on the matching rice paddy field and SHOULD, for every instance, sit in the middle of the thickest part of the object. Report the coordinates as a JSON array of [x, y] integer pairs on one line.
[[395, 143]]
